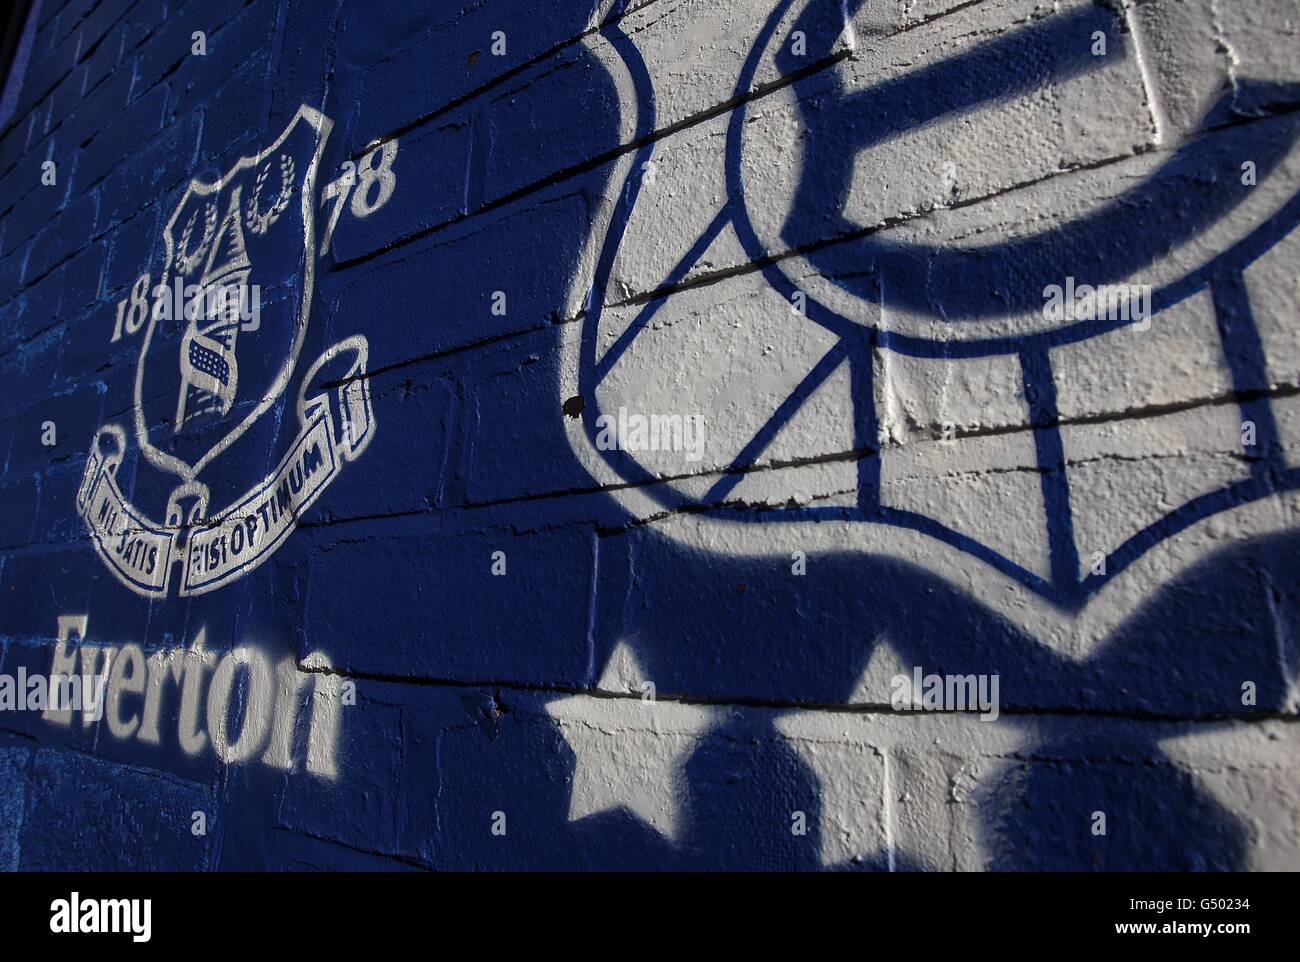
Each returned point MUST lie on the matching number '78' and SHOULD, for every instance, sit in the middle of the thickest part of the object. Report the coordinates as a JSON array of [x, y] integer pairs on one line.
[[373, 176]]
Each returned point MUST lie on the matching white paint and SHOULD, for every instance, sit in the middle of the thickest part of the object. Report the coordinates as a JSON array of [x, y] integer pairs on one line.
[[236, 539], [202, 690], [322, 126], [256, 713], [891, 785], [630, 753], [1249, 769], [873, 684], [983, 500]]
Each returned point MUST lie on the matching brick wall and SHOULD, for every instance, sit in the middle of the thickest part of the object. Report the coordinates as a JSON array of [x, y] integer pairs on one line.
[[651, 405]]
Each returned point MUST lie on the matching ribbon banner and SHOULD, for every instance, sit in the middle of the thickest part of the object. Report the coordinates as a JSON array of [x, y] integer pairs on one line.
[[216, 550]]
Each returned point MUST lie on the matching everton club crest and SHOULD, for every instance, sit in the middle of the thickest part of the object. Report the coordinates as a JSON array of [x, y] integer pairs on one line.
[[851, 285], [221, 383]]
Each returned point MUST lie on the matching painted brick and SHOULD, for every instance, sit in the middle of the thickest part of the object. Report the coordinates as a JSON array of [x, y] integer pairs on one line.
[[48, 70], [229, 51], [13, 794], [136, 125], [65, 98], [153, 811], [450, 56], [103, 60], [440, 153], [462, 314], [62, 237], [830, 232], [129, 249], [81, 280], [474, 639], [236, 113], [39, 202], [149, 172]]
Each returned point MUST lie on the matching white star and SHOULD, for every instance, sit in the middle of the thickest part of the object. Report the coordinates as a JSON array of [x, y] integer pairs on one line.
[[629, 752], [852, 774], [1249, 768], [910, 782], [874, 686]]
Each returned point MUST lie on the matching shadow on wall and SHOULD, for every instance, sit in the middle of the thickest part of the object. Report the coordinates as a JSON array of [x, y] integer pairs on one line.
[[743, 629], [750, 628], [729, 630]]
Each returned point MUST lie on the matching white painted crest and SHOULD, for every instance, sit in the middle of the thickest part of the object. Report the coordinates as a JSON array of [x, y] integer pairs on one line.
[[310, 129], [249, 231], [1154, 476]]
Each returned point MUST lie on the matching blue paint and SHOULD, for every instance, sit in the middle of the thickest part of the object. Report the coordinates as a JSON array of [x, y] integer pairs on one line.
[[389, 572]]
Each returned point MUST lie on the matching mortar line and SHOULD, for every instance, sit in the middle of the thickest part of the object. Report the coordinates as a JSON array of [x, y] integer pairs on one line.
[[882, 708]]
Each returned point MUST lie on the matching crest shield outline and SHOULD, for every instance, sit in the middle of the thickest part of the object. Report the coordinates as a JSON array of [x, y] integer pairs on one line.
[[321, 126], [334, 427], [1072, 615]]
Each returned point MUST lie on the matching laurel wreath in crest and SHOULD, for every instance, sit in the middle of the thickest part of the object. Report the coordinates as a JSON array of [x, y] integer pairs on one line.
[[260, 222], [187, 260]]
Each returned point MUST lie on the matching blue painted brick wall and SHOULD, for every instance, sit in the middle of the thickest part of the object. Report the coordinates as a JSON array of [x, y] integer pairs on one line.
[[491, 643]]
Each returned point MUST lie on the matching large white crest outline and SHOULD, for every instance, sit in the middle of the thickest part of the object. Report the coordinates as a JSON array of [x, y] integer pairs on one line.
[[1074, 630], [334, 427], [161, 459]]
